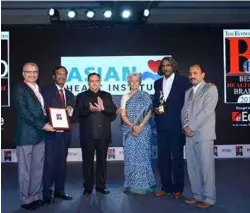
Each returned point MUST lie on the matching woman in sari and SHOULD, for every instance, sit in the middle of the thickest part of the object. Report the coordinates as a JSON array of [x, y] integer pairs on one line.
[[135, 113]]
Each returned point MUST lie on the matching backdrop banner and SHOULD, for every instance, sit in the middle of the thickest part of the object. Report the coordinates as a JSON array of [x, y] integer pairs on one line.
[[116, 52]]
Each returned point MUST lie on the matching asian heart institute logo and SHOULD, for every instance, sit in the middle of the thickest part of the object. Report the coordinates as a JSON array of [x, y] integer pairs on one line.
[[153, 74], [113, 70]]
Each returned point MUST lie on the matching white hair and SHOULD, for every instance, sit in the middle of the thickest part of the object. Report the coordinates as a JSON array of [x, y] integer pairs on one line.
[[138, 75], [31, 64]]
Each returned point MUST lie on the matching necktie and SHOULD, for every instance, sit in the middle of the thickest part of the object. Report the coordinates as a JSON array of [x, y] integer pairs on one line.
[[62, 96]]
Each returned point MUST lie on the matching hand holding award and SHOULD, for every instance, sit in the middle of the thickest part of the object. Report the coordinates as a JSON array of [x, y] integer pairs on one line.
[[160, 110]]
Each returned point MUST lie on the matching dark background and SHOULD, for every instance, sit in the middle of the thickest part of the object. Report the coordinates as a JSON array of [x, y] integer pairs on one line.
[[188, 44], [4, 80]]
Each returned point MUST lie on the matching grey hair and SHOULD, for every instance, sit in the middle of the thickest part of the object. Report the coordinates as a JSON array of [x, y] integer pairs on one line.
[[30, 63], [138, 75]]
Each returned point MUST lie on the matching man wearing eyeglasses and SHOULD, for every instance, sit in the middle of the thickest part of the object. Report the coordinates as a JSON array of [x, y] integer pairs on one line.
[[95, 110], [29, 137]]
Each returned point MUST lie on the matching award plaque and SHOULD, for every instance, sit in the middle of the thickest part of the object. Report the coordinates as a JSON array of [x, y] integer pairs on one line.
[[161, 100], [59, 118]]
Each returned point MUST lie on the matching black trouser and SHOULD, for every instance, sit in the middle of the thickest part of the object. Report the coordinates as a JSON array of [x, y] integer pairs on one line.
[[170, 161], [55, 165], [88, 149]]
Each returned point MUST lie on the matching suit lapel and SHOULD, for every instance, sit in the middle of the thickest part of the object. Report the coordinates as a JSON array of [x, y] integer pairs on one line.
[[161, 84], [31, 92], [58, 97], [67, 97], [172, 90], [190, 95], [200, 89]]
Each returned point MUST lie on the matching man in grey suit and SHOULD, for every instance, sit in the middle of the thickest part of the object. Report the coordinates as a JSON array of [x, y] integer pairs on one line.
[[198, 122], [29, 138]]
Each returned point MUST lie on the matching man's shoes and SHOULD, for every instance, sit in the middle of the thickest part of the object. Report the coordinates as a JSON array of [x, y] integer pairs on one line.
[[39, 203], [62, 196], [30, 206], [191, 201], [86, 192], [48, 200], [203, 205], [162, 193], [178, 195], [103, 191]]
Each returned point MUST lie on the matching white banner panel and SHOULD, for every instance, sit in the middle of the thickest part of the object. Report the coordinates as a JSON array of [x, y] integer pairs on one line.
[[114, 71], [246, 151], [117, 154], [5, 74], [226, 151]]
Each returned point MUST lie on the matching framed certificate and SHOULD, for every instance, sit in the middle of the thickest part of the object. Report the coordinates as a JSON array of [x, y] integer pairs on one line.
[[59, 118]]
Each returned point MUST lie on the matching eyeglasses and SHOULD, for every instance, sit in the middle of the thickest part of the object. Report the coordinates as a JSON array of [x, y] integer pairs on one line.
[[29, 72], [94, 81]]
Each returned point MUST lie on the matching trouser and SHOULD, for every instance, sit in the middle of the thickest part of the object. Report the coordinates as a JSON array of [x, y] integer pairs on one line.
[[88, 149], [170, 161], [200, 165], [55, 165], [30, 171]]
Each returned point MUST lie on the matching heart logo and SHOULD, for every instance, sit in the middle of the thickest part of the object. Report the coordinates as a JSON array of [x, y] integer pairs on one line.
[[154, 65]]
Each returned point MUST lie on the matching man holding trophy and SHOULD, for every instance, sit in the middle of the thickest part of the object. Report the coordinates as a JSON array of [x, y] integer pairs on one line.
[[168, 102], [161, 101]]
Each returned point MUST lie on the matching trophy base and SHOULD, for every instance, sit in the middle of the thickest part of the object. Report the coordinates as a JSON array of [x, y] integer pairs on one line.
[[161, 109]]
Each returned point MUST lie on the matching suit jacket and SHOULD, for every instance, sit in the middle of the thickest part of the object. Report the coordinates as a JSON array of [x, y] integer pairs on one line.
[[52, 99], [30, 118], [199, 111], [171, 119], [95, 125]]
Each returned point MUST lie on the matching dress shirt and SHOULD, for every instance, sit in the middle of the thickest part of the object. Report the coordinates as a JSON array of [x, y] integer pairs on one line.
[[195, 87], [59, 90], [167, 85], [39, 96]]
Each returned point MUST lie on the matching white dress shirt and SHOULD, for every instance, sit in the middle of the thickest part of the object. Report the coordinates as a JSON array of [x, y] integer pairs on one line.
[[167, 85]]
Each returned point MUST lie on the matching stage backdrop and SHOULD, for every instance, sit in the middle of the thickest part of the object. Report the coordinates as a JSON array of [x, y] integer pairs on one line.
[[115, 52]]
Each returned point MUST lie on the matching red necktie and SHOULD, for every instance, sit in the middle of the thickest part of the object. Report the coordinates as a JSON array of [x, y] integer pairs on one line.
[[62, 96]]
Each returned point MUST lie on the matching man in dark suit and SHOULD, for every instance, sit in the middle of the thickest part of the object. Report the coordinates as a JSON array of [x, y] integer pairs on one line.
[[95, 109], [57, 143], [29, 137], [170, 137]]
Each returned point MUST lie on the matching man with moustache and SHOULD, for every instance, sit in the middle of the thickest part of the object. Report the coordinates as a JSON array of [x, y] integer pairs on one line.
[[198, 122], [57, 143], [29, 137], [95, 109], [169, 95]]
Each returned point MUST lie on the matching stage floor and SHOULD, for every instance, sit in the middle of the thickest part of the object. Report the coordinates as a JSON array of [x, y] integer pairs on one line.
[[232, 182]]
